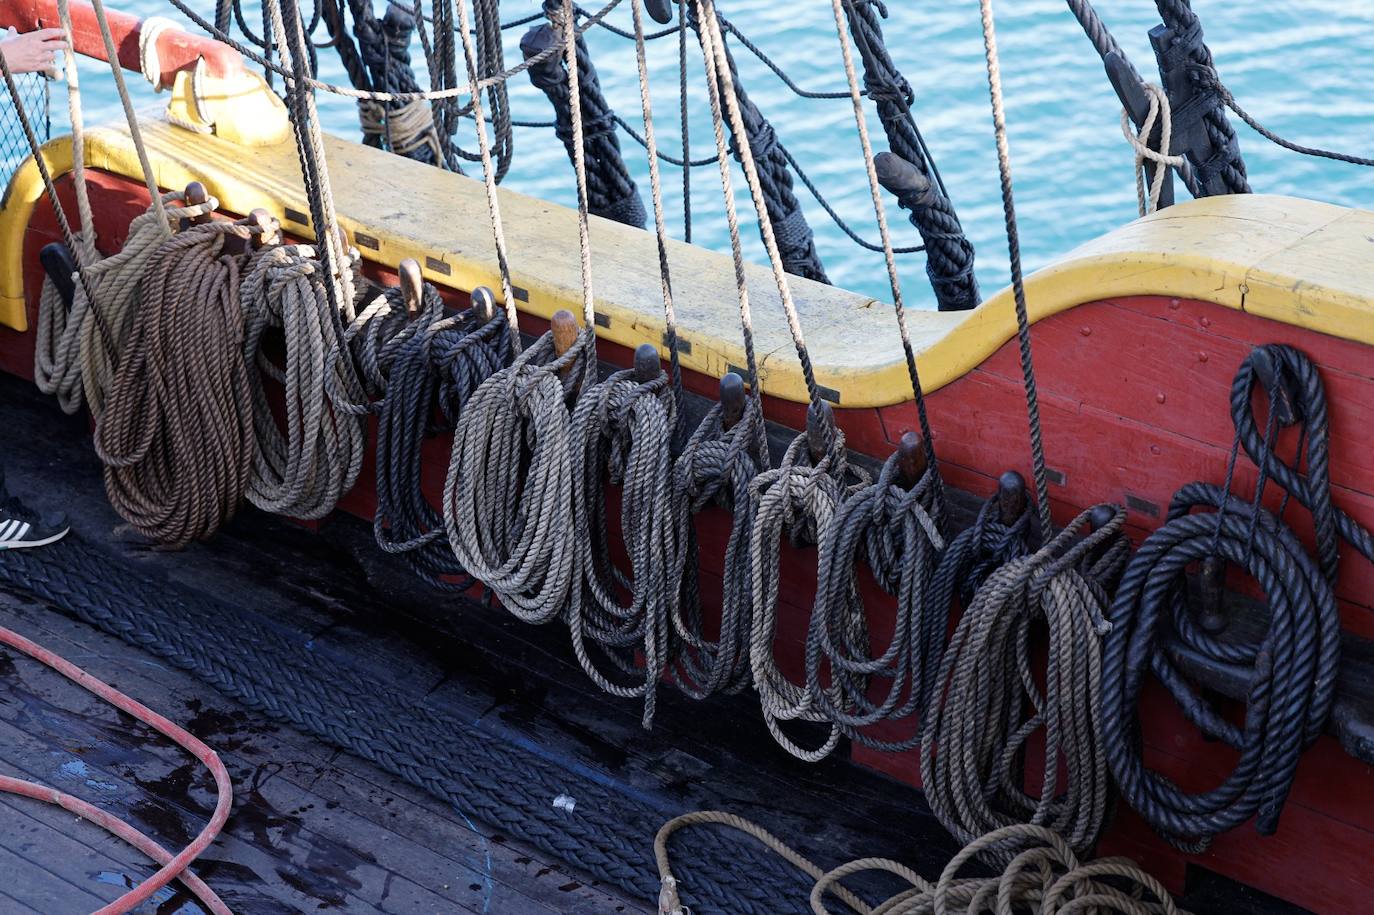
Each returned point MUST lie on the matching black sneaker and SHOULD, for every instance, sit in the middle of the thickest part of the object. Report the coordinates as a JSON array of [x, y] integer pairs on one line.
[[22, 527]]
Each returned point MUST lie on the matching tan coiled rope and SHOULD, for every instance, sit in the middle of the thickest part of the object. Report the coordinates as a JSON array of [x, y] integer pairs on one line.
[[177, 435], [1043, 876], [305, 472], [975, 747]]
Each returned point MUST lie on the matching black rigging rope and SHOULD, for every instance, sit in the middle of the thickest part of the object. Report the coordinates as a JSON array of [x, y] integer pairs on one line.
[[1293, 666]]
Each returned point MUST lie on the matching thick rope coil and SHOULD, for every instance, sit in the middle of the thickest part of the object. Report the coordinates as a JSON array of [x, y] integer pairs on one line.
[[72, 358], [987, 704], [897, 530], [508, 496], [177, 435], [799, 498], [790, 229], [304, 472], [611, 192], [622, 430], [439, 365], [1294, 664], [978, 551], [371, 342], [1042, 876], [717, 467]]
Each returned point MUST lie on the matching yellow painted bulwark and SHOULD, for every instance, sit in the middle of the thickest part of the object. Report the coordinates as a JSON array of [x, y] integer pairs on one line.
[[1291, 260]]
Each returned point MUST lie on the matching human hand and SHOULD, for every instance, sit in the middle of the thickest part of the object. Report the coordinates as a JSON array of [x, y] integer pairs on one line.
[[33, 52]]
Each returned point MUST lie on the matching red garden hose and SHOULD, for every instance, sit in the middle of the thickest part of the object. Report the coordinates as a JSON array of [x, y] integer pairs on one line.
[[173, 867]]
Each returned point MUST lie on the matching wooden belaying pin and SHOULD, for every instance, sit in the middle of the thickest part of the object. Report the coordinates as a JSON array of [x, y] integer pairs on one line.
[[412, 285], [565, 332], [731, 399], [647, 365], [194, 195], [483, 304], [820, 431], [1211, 579], [911, 460], [1011, 497], [266, 229], [60, 267]]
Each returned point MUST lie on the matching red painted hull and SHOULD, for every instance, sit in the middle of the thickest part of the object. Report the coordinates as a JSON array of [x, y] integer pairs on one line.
[[1134, 394]]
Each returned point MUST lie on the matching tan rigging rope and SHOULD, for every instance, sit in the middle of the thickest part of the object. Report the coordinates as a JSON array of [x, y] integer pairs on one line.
[[1043, 876]]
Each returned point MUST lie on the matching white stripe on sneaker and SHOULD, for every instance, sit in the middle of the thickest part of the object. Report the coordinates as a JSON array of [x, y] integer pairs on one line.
[[6, 528], [23, 529]]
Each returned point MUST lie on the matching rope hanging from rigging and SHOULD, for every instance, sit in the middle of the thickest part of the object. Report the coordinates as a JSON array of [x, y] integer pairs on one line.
[[949, 253], [436, 367], [303, 472], [976, 750], [1293, 664], [177, 434], [611, 192]]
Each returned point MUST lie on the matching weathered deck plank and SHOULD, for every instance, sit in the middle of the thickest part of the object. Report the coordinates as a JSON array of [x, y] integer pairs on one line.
[[311, 828]]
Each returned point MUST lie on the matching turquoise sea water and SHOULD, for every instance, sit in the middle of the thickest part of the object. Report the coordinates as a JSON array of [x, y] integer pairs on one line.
[[1303, 67]]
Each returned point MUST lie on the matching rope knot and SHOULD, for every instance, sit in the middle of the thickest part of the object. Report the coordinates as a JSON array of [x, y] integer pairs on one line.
[[668, 901]]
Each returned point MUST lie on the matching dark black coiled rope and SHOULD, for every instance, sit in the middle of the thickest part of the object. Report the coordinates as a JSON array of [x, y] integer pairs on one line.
[[441, 364], [896, 528], [949, 253], [1293, 666], [611, 192], [793, 233]]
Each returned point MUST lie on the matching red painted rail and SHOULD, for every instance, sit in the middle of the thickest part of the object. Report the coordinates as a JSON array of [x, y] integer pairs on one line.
[[176, 50]]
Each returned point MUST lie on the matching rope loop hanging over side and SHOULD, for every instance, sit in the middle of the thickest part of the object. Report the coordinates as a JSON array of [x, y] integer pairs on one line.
[[976, 742], [611, 191], [438, 366], [177, 435], [622, 430], [1293, 664], [894, 524], [304, 472], [717, 467]]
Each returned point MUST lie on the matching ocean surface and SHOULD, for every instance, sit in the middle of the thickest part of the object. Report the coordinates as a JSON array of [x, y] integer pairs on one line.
[[1303, 67]]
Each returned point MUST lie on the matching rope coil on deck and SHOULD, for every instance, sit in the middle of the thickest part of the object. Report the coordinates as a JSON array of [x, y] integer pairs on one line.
[[987, 703]]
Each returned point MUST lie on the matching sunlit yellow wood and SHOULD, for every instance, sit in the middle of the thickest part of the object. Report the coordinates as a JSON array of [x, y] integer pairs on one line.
[[1295, 261]]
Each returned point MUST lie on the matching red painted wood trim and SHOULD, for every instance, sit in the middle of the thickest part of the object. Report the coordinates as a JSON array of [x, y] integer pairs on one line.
[[177, 50]]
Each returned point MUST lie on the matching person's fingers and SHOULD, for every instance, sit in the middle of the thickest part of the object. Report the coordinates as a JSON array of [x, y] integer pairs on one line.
[[49, 34]]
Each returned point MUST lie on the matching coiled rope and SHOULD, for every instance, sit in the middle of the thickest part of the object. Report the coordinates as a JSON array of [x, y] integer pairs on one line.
[[436, 367], [508, 496], [1042, 874], [975, 746], [895, 524], [1293, 666], [717, 467], [177, 435], [304, 472]]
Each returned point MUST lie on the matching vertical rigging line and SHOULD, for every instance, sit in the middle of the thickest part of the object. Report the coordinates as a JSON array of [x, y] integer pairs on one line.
[[682, 116], [584, 242], [999, 125], [660, 228], [489, 179], [881, 213]]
